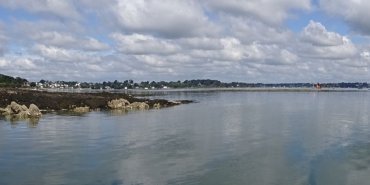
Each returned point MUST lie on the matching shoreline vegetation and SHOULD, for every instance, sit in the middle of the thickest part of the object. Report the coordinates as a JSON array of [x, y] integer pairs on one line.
[[8, 81]]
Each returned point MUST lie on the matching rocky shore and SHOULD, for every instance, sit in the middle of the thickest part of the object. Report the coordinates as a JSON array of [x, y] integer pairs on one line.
[[14, 102]]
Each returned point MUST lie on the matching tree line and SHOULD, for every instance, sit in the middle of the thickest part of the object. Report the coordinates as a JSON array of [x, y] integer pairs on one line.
[[199, 83], [8, 81]]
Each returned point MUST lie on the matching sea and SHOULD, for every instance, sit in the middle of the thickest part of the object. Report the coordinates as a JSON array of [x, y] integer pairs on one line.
[[223, 138]]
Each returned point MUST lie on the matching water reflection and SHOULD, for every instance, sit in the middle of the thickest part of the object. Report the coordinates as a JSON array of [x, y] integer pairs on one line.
[[14, 121], [118, 112], [70, 113], [226, 138], [342, 165]]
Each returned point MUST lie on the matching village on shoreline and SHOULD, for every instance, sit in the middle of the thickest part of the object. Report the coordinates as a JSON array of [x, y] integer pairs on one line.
[[8, 81]]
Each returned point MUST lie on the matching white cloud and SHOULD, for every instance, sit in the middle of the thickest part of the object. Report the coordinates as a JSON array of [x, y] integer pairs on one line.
[[90, 43], [168, 18], [234, 51], [231, 40], [323, 44], [56, 54], [316, 34], [251, 30], [3, 39], [138, 44], [201, 43], [25, 63], [153, 61], [355, 12], [271, 54], [288, 57], [18, 62], [344, 51], [63, 9], [231, 50], [268, 11], [365, 55], [68, 41], [67, 34], [3, 62]]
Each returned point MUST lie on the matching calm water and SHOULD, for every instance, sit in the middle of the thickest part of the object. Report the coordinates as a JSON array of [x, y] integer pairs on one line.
[[228, 138]]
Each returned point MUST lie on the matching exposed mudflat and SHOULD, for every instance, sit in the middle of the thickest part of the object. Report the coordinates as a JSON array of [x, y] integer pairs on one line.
[[64, 101]]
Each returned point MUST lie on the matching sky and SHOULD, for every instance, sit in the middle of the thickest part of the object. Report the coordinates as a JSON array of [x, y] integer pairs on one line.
[[268, 41]]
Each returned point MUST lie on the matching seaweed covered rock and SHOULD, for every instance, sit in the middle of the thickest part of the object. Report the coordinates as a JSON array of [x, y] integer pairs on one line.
[[118, 103], [24, 108], [81, 109], [15, 107], [22, 115], [34, 111], [21, 111], [157, 106], [138, 106], [6, 111]]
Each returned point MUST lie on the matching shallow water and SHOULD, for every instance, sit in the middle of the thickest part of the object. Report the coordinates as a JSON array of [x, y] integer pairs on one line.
[[260, 138]]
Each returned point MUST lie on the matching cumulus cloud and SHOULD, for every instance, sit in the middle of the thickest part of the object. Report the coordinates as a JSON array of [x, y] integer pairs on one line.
[[25, 63], [67, 40], [3, 39], [27, 33], [138, 44], [268, 11], [231, 40], [365, 55], [201, 43], [344, 51], [324, 44], [18, 63], [168, 18], [231, 50], [2, 48], [316, 34], [251, 30], [234, 51], [3, 63], [271, 54], [355, 12], [57, 54], [62, 9]]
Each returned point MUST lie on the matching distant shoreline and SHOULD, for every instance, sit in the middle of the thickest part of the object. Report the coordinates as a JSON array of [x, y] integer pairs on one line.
[[247, 89], [259, 89]]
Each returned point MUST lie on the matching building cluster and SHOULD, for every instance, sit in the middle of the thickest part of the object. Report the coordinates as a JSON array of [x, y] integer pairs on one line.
[[55, 85]]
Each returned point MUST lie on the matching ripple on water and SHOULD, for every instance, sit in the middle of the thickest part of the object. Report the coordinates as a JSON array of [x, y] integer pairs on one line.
[[342, 166]]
